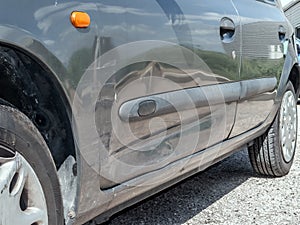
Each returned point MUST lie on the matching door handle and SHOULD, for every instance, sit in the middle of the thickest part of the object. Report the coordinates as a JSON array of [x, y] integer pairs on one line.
[[227, 30], [281, 33]]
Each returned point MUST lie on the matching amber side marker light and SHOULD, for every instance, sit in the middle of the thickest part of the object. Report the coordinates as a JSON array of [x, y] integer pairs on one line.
[[80, 19]]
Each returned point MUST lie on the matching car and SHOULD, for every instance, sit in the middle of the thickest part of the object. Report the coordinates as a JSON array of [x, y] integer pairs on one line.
[[105, 103]]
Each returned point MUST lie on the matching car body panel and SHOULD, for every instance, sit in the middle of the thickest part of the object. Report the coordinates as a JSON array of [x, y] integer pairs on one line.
[[112, 168], [262, 57], [176, 24], [43, 31]]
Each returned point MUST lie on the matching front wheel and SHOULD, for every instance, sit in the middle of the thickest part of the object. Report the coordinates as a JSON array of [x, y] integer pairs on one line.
[[272, 153], [29, 187]]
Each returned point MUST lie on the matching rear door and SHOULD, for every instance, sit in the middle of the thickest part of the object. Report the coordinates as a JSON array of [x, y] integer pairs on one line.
[[264, 32]]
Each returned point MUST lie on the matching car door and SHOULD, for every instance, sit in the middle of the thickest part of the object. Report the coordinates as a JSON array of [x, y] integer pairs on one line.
[[166, 83], [265, 30]]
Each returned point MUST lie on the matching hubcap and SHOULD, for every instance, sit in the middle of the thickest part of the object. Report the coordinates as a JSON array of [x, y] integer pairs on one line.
[[288, 125], [22, 200]]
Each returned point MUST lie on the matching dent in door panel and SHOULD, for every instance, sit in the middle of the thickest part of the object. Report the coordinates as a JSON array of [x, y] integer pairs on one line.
[[146, 68]]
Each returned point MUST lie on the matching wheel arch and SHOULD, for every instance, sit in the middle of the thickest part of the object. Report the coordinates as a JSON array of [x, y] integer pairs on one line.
[[294, 77], [29, 85]]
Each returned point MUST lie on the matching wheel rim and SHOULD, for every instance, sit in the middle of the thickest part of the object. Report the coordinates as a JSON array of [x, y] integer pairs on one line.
[[288, 125], [21, 192]]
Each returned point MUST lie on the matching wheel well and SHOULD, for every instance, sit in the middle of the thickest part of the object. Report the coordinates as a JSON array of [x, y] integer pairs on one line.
[[34, 90], [294, 78]]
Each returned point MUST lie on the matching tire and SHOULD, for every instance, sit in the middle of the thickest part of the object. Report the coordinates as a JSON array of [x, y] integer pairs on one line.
[[272, 153], [30, 174]]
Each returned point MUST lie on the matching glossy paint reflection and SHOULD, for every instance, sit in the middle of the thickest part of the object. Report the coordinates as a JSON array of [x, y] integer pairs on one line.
[[262, 57]]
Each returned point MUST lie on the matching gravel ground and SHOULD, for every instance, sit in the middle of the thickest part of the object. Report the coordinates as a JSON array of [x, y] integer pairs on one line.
[[227, 193]]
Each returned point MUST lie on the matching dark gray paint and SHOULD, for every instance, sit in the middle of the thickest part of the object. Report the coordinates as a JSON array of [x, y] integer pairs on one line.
[[42, 29]]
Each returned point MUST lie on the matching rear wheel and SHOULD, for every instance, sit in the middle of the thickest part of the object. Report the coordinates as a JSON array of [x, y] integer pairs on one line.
[[29, 188], [273, 153]]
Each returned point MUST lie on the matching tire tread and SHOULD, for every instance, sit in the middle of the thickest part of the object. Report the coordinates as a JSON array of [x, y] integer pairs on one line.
[[265, 154]]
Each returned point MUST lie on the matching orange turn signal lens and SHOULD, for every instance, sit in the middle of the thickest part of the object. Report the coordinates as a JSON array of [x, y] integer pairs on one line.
[[80, 19]]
